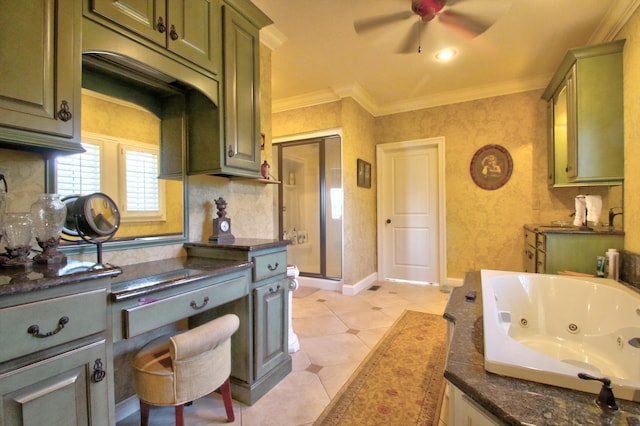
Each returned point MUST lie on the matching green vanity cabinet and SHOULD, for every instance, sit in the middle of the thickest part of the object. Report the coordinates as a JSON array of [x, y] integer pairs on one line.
[[585, 115], [41, 68], [263, 332], [55, 360], [188, 28], [549, 250]]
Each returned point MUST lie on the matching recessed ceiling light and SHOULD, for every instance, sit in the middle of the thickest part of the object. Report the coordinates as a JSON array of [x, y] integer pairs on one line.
[[445, 54]]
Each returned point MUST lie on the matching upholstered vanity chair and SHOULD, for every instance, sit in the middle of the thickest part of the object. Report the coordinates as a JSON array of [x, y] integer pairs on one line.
[[187, 366]]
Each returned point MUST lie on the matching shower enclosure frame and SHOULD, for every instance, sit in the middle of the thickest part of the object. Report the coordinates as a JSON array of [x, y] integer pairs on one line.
[[322, 199]]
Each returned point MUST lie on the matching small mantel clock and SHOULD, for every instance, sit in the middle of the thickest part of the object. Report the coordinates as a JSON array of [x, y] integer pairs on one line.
[[221, 224]]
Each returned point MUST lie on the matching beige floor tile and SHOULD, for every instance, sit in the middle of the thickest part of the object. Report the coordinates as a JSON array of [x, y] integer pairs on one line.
[[322, 325], [335, 349], [367, 319], [334, 377], [298, 399]]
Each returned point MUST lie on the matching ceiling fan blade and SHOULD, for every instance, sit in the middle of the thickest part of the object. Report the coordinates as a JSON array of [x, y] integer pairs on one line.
[[368, 24], [463, 23], [411, 42]]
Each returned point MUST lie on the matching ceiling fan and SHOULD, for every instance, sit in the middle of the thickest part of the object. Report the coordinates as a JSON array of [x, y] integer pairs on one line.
[[461, 18]]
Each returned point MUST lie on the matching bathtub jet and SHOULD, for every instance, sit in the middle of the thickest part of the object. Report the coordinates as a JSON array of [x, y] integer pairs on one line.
[[549, 328]]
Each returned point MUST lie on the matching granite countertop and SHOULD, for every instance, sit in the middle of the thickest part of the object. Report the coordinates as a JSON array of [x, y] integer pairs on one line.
[[33, 277], [514, 401], [551, 228], [149, 277], [241, 244]]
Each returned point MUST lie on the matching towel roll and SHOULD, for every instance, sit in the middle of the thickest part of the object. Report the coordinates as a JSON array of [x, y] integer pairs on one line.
[[581, 211], [594, 208]]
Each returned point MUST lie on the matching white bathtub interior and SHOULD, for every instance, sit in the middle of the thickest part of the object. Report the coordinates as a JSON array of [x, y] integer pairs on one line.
[[548, 328]]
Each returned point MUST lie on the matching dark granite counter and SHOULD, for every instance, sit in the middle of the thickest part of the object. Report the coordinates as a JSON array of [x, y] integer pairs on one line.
[[571, 229], [241, 244], [148, 277], [514, 401], [33, 277]]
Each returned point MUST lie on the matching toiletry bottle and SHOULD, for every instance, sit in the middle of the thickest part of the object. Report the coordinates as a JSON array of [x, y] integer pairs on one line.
[[600, 266], [613, 258]]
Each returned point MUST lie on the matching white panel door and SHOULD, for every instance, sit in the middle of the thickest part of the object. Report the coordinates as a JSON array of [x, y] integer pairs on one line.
[[410, 213]]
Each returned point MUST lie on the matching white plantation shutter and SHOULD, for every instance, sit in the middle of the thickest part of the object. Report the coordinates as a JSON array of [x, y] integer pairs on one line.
[[79, 173], [141, 181]]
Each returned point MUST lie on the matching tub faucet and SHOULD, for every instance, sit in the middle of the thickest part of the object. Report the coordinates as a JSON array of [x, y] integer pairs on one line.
[[612, 216], [605, 399]]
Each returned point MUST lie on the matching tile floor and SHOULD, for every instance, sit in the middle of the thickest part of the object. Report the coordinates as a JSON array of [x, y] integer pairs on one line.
[[336, 332]]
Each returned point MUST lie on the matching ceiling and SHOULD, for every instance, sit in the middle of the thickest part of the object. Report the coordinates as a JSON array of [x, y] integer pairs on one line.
[[318, 57]]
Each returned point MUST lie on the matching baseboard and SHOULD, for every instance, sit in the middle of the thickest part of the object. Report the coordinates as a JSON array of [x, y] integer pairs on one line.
[[127, 407], [353, 289], [320, 283]]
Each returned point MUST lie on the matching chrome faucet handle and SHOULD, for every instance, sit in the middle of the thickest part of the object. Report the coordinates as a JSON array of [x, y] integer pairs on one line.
[[605, 399]]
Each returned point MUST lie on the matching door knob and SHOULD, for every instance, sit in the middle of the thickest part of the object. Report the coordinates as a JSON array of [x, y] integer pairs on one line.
[[388, 220]]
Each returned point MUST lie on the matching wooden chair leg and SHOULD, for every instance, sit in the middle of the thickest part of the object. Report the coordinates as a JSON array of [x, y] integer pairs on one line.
[[180, 415], [226, 397], [144, 413]]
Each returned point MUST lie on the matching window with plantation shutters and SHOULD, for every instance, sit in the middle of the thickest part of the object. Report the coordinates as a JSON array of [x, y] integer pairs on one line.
[[127, 171], [139, 171], [79, 173]]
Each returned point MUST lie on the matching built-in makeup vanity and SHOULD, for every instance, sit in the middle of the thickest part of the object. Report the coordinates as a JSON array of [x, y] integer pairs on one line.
[[69, 332]]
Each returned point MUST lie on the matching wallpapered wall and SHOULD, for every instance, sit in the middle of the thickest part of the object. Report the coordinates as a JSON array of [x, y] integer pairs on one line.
[[484, 228], [631, 57]]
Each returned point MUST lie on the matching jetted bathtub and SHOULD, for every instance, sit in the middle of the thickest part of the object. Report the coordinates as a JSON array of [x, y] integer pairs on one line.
[[548, 328]]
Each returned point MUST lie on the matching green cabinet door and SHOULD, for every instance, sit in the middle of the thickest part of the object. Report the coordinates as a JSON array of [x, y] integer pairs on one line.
[[585, 101], [191, 29], [241, 95], [61, 390], [270, 322], [40, 84]]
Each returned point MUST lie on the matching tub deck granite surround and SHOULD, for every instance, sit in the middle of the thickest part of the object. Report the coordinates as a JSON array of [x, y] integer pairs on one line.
[[513, 401]]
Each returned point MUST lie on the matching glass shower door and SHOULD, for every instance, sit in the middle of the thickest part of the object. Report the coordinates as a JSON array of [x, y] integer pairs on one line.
[[311, 205]]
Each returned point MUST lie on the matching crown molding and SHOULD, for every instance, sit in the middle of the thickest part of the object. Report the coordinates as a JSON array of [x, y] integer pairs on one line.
[[368, 102], [272, 37], [617, 16]]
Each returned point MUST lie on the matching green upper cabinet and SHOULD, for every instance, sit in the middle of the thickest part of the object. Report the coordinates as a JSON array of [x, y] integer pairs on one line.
[[585, 101], [188, 28], [236, 151], [41, 68]]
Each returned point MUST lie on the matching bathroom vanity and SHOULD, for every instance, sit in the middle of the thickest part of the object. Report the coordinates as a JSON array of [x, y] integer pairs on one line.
[[477, 397], [553, 248], [68, 333], [56, 350]]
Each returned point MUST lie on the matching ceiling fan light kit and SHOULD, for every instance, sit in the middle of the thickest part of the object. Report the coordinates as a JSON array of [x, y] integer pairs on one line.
[[439, 22], [445, 55]]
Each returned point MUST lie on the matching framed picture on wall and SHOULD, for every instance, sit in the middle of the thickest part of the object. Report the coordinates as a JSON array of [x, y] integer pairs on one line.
[[491, 167], [364, 174]]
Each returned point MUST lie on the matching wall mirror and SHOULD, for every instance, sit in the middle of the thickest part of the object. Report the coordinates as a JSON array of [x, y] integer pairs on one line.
[[133, 132]]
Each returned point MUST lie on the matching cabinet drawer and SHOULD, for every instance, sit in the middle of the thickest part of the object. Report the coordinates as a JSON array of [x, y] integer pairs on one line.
[[269, 265], [530, 237], [143, 318], [541, 242], [86, 314]]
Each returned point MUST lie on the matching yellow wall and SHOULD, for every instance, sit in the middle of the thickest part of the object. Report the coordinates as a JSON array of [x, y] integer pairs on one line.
[[631, 55]]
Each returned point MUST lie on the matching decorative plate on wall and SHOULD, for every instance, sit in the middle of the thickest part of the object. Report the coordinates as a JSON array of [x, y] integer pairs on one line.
[[491, 167]]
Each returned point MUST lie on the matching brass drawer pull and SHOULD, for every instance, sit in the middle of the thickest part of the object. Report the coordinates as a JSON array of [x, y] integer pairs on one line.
[[34, 330], [272, 268], [194, 305]]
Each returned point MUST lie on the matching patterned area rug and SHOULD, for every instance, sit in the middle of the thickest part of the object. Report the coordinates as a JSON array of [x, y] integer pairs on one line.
[[400, 382]]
